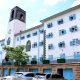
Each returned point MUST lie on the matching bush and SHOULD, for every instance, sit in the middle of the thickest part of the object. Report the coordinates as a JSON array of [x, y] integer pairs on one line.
[[46, 61], [34, 62], [62, 60]]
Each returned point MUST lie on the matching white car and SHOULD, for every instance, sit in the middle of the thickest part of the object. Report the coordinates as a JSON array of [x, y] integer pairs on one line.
[[8, 78], [40, 76], [24, 75]]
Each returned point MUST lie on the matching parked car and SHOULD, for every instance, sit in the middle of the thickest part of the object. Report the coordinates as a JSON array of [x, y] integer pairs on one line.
[[56, 77], [24, 75], [39, 76], [8, 78], [0, 78]]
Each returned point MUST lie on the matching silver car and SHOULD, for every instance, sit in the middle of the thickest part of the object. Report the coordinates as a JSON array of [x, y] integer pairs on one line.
[[9, 78], [24, 75]]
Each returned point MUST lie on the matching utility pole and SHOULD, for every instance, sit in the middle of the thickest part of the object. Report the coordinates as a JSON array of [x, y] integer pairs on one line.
[[44, 46]]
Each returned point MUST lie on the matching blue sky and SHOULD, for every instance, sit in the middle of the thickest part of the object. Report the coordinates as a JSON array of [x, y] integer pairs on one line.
[[36, 10]]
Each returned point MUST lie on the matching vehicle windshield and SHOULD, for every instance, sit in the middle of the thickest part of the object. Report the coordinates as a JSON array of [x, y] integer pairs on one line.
[[6, 79]]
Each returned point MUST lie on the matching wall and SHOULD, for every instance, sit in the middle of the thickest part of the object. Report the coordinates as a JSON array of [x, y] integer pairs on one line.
[[74, 66]]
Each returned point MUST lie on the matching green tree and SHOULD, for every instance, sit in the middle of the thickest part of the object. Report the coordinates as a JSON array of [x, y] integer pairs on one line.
[[16, 54]]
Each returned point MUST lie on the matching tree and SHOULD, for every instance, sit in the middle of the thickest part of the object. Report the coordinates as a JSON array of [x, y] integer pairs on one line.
[[16, 54]]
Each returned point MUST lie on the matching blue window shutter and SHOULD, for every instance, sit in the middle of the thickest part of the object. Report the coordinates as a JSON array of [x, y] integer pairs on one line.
[[60, 33], [71, 43], [32, 45], [79, 42], [70, 29], [76, 28], [64, 31], [74, 16]]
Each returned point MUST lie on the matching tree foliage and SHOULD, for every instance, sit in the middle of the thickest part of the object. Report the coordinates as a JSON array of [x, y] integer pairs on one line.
[[16, 54]]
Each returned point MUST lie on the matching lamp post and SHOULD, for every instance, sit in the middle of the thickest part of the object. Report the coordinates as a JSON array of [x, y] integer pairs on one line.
[[38, 43]]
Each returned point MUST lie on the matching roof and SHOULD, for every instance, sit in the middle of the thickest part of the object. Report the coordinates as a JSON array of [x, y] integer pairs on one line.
[[2, 40], [18, 8], [60, 13], [38, 26]]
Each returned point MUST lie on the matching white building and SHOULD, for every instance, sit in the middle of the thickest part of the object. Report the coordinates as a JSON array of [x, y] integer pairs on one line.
[[60, 31]]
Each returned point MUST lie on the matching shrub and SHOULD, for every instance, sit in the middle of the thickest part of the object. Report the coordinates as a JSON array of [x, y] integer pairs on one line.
[[62, 60], [46, 61], [34, 62]]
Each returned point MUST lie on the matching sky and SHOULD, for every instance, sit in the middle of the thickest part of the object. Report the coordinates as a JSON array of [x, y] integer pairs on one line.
[[36, 10]]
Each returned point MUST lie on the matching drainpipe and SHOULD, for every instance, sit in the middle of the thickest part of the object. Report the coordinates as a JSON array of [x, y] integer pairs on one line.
[[44, 46]]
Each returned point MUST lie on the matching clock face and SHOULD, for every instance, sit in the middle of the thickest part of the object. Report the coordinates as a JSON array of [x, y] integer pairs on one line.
[[8, 41]]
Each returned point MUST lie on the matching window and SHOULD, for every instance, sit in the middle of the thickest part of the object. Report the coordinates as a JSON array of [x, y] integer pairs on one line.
[[50, 57], [2, 43], [12, 14], [34, 57], [8, 41], [60, 21], [17, 38], [28, 35], [76, 55], [50, 46], [21, 16], [35, 33], [72, 17], [28, 45], [34, 45], [50, 35], [61, 44], [49, 25], [62, 32], [41, 43], [62, 55], [75, 42], [73, 29], [41, 31], [22, 37], [30, 75]]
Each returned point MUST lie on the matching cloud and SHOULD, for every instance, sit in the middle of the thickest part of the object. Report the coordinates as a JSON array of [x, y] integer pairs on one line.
[[33, 1], [52, 2], [42, 10], [35, 23], [76, 2]]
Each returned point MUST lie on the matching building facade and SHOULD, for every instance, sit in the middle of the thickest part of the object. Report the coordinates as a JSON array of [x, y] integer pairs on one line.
[[57, 36]]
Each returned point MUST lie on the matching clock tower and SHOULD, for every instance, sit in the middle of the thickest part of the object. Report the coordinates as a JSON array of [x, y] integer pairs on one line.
[[17, 23]]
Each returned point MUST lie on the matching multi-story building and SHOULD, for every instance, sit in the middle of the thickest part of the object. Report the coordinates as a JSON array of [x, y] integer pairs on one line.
[[60, 32], [57, 37]]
